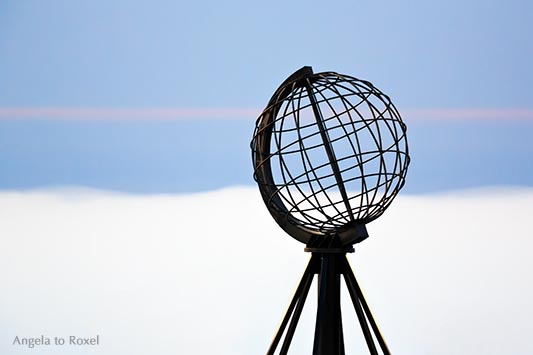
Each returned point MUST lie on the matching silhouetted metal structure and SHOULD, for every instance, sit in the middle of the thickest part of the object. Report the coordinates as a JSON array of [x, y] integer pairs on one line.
[[330, 154]]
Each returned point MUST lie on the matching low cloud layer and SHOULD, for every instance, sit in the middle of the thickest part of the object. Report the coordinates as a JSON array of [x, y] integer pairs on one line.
[[212, 273]]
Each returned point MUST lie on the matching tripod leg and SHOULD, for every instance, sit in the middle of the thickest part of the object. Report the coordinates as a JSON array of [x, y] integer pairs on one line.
[[361, 317], [358, 300], [322, 282], [296, 316], [328, 340], [308, 274], [341, 335]]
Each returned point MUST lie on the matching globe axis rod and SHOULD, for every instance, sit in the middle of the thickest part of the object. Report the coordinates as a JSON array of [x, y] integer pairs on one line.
[[329, 149]]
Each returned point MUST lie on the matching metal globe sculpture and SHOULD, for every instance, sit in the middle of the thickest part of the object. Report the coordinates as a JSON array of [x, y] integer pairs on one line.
[[330, 154]]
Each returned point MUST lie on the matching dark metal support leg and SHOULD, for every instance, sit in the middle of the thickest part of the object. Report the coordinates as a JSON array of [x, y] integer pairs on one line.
[[296, 316], [328, 331], [363, 312], [341, 335], [361, 317], [329, 338], [308, 274], [322, 282]]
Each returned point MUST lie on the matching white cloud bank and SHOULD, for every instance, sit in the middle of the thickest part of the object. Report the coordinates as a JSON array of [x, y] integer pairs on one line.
[[211, 273]]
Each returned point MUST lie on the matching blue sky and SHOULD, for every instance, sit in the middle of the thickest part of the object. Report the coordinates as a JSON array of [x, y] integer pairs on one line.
[[458, 71]]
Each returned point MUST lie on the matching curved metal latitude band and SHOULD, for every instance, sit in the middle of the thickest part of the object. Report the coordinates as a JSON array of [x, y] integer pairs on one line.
[[352, 232]]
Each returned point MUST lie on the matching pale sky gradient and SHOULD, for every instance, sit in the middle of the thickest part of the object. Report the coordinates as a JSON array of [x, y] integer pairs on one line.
[[122, 53], [161, 96]]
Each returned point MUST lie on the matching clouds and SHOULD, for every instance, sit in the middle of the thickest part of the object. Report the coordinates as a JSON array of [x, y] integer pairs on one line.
[[212, 273]]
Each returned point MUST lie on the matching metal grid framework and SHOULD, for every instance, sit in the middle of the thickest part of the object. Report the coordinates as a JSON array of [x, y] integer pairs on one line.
[[329, 152]]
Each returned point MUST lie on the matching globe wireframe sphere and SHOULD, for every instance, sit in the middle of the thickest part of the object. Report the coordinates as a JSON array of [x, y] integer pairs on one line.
[[330, 154]]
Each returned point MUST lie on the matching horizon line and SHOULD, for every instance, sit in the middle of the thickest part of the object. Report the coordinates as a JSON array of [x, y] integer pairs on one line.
[[177, 113]]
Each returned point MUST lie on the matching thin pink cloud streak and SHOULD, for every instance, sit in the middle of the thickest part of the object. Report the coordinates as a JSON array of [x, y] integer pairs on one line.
[[158, 113], [468, 114], [105, 113]]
